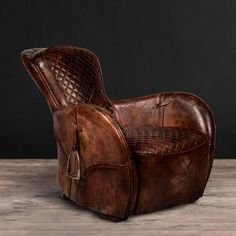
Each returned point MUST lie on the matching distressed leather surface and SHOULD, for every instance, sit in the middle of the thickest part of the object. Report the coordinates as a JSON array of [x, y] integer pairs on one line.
[[136, 155], [169, 180], [108, 182]]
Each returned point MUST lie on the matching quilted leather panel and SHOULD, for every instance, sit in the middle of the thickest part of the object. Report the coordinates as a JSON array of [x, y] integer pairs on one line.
[[78, 74], [163, 140]]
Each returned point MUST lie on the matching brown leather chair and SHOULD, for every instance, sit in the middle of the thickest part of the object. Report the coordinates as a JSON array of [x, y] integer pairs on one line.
[[123, 157]]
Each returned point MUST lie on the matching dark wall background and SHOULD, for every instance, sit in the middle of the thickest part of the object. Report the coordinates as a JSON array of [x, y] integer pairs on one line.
[[144, 47]]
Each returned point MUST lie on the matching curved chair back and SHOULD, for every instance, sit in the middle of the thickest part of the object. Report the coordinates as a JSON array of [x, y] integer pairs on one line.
[[67, 75]]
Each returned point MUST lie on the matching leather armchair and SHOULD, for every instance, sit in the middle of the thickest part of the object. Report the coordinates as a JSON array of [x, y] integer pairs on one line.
[[123, 157]]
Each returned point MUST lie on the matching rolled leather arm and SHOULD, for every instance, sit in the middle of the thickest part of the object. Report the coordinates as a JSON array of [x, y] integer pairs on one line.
[[108, 179], [98, 133], [177, 109]]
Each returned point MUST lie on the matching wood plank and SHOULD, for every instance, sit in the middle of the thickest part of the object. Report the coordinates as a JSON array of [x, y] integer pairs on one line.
[[30, 205]]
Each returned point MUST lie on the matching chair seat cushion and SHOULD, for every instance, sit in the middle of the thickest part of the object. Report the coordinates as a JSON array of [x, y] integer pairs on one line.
[[162, 141]]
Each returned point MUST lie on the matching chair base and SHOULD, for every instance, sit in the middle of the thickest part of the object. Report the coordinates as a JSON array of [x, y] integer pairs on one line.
[[164, 182], [168, 181]]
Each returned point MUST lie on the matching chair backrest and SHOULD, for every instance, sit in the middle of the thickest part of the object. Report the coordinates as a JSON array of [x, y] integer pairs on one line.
[[67, 75]]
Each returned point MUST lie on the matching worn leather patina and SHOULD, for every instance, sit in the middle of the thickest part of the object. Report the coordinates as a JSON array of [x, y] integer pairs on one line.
[[124, 157]]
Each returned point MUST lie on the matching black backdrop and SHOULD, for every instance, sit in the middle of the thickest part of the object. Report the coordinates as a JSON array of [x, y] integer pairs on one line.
[[144, 47]]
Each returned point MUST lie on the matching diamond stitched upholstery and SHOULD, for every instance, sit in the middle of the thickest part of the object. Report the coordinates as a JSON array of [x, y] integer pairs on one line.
[[78, 74], [163, 140]]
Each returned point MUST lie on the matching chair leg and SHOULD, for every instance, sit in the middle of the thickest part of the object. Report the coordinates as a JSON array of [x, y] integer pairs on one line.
[[63, 196], [111, 218]]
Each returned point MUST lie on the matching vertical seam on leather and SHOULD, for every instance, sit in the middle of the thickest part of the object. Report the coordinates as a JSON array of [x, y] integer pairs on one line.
[[157, 112], [162, 109], [163, 115], [131, 168]]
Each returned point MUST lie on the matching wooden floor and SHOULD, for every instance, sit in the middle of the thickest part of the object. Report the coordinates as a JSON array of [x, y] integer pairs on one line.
[[30, 205]]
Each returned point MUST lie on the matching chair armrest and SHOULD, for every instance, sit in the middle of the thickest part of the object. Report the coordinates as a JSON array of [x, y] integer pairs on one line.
[[99, 134], [176, 109], [106, 168]]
